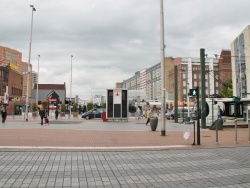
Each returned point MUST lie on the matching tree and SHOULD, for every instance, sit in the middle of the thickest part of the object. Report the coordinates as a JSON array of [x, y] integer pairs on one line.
[[227, 90], [63, 107], [75, 107], [34, 107], [90, 105], [104, 105]]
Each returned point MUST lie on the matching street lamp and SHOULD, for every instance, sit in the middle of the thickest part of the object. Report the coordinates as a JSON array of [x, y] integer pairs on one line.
[[37, 81], [163, 90], [70, 87], [28, 77]]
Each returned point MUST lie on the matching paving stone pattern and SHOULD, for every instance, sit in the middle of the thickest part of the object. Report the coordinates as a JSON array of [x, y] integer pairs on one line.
[[221, 167]]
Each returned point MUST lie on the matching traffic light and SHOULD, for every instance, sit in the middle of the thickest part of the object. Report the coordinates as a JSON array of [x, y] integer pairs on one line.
[[193, 92]]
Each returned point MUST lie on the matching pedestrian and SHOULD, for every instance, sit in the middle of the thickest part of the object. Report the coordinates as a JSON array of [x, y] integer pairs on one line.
[[4, 115], [220, 112], [138, 113], [42, 114], [149, 115], [56, 114]]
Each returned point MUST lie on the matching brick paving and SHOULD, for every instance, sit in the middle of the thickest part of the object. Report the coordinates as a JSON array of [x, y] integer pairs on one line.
[[80, 153], [98, 135]]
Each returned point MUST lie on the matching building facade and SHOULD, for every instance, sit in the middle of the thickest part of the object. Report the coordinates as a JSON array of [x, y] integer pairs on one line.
[[55, 92], [13, 59], [240, 55], [218, 71]]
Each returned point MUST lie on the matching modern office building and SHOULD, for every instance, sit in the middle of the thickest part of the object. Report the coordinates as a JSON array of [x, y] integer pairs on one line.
[[240, 49]]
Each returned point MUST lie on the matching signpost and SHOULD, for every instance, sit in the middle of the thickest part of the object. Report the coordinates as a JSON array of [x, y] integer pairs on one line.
[[195, 93]]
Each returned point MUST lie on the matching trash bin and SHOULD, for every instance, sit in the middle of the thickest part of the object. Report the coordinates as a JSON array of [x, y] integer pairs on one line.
[[104, 118], [153, 123]]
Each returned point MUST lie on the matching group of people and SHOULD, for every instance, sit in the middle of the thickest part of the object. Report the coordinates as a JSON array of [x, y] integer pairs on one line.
[[44, 115]]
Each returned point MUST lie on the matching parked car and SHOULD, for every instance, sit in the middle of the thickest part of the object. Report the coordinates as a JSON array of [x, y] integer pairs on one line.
[[94, 113], [181, 112]]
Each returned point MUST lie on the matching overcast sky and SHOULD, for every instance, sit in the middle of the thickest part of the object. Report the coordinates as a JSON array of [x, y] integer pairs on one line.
[[112, 39]]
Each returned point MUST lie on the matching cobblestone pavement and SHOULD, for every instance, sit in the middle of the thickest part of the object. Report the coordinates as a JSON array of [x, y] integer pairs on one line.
[[219, 167]]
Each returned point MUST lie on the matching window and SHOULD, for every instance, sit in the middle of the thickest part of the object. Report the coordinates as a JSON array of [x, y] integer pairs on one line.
[[184, 91], [195, 76], [184, 83], [184, 76]]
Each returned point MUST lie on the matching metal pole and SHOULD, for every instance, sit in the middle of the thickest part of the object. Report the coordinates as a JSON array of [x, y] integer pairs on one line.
[[175, 94], [188, 100], [28, 77], [236, 139], [235, 120], [217, 131], [162, 47], [212, 109], [194, 134], [37, 81], [248, 130], [198, 117], [70, 87], [203, 89]]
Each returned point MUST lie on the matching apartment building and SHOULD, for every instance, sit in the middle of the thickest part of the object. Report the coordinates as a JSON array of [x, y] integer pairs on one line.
[[240, 55], [13, 59], [218, 70]]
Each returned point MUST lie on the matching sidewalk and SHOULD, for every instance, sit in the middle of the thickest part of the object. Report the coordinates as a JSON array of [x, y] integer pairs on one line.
[[96, 135]]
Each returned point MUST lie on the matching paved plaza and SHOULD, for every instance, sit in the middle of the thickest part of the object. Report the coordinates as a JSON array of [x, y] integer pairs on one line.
[[81, 153], [221, 167]]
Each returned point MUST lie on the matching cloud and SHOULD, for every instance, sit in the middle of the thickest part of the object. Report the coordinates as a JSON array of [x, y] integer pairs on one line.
[[110, 40]]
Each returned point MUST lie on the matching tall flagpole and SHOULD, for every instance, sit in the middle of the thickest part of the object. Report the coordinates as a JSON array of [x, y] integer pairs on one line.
[[163, 90]]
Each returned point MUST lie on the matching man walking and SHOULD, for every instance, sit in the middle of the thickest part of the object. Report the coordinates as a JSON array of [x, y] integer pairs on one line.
[[220, 112]]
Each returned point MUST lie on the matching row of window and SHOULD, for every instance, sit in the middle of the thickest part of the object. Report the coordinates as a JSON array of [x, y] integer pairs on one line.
[[195, 76], [4, 76], [16, 91]]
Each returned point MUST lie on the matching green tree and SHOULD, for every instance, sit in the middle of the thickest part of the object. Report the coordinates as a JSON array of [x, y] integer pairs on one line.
[[34, 107], [75, 107], [227, 90], [63, 107], [104, 105], [90, 105]]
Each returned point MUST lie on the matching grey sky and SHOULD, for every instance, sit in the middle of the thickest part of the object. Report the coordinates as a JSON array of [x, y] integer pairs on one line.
[[112, 39]]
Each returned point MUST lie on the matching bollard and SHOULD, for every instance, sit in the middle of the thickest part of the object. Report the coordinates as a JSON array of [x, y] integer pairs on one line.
[[194, 133], [249, 131], [236, 140], [217, 132]]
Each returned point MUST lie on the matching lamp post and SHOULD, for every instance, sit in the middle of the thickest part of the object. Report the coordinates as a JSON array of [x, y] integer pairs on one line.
[[70, 87], [163, 89], [28, 77], [37, 80]]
